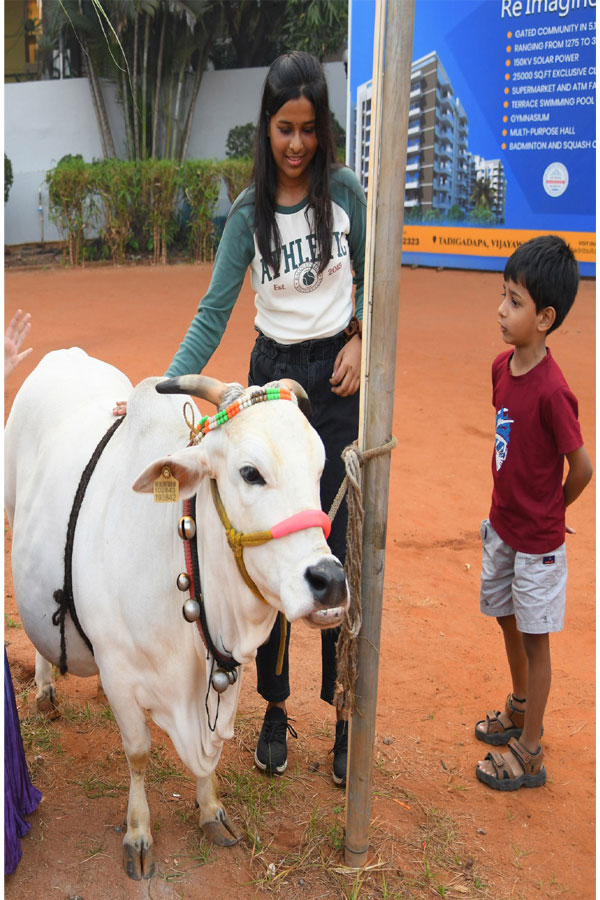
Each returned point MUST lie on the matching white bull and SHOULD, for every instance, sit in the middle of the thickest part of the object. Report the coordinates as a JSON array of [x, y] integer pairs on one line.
[[127, 554]]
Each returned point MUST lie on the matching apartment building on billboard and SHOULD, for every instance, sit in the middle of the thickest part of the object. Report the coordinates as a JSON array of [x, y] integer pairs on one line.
[[362, 144], [492, 170], [440, 170]]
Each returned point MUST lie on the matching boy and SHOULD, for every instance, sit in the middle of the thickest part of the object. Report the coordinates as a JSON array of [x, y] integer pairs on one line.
[[524, 569]]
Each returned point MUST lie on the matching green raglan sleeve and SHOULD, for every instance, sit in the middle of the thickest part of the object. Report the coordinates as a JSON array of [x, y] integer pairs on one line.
[[347, 191], [235, 253]]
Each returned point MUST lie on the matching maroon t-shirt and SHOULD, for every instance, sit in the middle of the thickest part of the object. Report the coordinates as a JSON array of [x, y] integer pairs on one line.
[[536, 425]]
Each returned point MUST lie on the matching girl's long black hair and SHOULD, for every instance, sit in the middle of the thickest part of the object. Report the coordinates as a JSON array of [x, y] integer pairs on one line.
[[291, 76]]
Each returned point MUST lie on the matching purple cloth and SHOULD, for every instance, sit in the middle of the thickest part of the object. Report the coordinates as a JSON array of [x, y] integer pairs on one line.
[[20, 796]]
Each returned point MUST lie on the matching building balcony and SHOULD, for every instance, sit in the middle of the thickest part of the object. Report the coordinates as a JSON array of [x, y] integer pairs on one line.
[[442, 133], [441, 168], [412, 185]]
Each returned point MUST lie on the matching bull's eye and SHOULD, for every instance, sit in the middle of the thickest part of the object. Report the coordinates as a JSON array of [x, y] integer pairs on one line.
[[251, 475]]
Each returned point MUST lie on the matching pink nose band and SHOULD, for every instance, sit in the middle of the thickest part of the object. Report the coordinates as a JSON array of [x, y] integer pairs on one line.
[[310, 518]]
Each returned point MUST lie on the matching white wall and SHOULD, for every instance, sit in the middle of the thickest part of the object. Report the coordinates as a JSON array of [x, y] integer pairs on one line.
[[45, 120], [230, 97]]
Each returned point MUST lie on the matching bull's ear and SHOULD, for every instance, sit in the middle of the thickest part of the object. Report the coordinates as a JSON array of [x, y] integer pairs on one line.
[[187, 466]]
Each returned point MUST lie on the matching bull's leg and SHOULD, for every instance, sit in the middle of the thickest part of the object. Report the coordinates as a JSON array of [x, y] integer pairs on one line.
[[46, 693], [138, 855], [214, 821]]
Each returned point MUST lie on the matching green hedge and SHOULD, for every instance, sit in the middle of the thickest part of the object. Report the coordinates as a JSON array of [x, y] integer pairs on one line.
[[141, 207]]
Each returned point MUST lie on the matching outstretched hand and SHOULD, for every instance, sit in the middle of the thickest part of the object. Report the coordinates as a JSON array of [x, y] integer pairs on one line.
[[18, 329], [345, 378]]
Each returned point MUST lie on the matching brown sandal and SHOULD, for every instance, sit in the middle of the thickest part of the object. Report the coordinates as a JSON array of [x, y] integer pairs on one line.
[[496, 732], [505, 777]]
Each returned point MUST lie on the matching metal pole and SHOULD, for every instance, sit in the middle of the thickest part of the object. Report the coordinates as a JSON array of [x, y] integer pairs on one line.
[[390, 101]]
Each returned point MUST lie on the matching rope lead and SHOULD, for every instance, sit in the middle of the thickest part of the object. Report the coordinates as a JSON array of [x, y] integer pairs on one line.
[[347, 646]]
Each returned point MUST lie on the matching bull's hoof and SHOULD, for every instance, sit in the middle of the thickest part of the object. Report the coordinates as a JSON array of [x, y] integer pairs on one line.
[[45, 702], [138, 862], [220, 831]]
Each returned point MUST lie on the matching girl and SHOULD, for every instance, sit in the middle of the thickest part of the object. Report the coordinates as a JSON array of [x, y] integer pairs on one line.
[[300, 227]]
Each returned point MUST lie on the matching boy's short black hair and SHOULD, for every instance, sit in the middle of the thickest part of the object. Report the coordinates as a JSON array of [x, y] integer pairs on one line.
[[547, 268]]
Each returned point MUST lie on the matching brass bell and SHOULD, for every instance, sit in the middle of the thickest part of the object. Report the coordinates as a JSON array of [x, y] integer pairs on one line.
[[186, 528], [183, 581], [222, 679], [191, 610]]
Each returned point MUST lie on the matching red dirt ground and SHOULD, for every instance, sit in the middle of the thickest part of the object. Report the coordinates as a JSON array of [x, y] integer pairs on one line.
[[442, 664]]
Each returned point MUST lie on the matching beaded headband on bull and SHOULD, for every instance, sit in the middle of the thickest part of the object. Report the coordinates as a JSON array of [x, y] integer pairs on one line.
[[193, 609]]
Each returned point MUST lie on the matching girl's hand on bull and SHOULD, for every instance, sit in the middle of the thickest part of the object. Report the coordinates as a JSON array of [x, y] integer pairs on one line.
[[120, 408], [345, 378]]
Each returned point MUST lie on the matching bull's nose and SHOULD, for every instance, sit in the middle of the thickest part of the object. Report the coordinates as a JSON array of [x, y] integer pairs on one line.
[[327, 582]]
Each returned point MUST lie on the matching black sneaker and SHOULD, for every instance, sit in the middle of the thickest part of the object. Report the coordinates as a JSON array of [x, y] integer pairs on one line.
[[271, 749], [340, 752]]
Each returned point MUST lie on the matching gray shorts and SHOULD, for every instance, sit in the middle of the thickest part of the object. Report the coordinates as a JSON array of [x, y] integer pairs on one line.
[[530, 586]]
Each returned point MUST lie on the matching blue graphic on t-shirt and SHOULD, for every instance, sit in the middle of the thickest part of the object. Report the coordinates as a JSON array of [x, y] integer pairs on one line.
[[503, 424]]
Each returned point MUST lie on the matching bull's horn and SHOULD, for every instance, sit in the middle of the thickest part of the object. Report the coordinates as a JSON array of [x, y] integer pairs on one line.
[[197, 385], [301, 395]]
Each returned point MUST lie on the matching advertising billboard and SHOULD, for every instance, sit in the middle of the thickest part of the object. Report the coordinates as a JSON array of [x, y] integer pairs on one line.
[[501, 134]]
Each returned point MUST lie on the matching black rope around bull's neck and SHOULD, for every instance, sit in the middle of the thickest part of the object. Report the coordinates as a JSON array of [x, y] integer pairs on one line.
[[64, 597], [225, 662]]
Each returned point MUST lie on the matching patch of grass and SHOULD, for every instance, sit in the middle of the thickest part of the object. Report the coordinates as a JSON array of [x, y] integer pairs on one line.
[[25, 691], [254, 793], [93, 852], [161, 767], [76, 713], [175, 874], [40, 737], [335, 833], [186, 815], [94, 787], [519, 854], [107, 715], [201, 851], [11, 623], [352, 891]]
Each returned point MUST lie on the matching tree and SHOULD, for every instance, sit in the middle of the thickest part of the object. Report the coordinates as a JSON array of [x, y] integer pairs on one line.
[[68, 28], [481, 215], [252, 30], [483, 194], [240, 141], [319, 27], [413, 214], [257, 32], [456, 213], [156, 51], [8, 177]]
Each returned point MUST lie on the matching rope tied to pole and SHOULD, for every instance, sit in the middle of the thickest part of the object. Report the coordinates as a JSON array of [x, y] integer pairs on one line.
[[347, 649]]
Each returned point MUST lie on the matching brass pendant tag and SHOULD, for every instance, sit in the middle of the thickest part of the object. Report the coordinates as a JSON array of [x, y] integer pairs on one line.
[[166, 488]]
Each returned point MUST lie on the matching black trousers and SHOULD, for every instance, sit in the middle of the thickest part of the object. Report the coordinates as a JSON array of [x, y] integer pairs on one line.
[[336, 420]]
